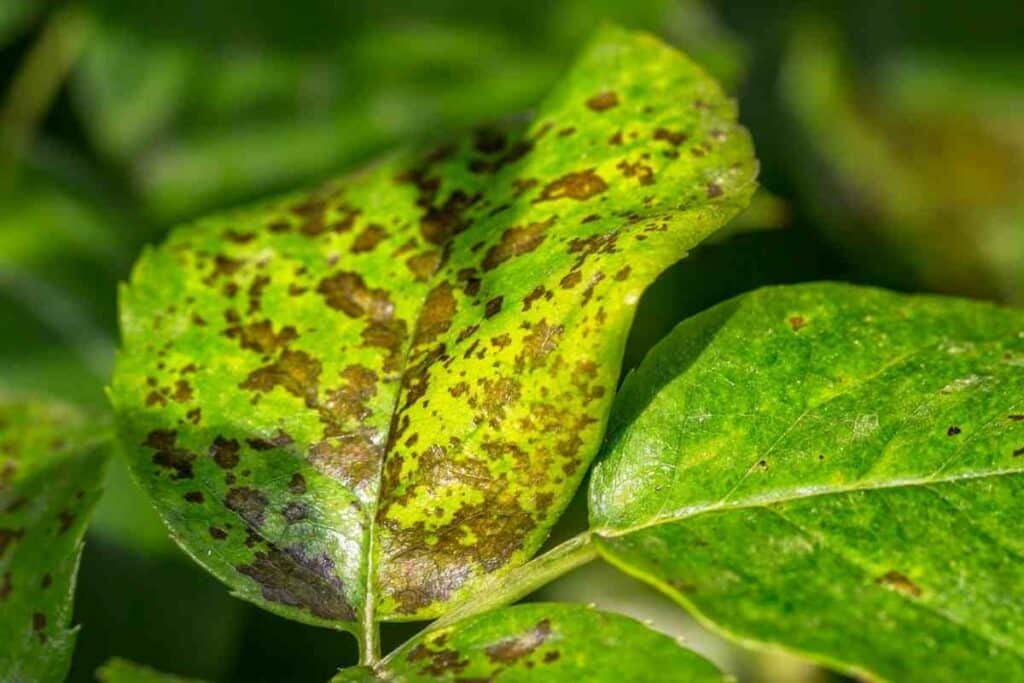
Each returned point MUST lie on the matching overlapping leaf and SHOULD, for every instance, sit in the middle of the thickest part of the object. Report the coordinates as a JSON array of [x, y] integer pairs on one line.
[[835, 469], [51, 470], [540, 641], [367, 398]]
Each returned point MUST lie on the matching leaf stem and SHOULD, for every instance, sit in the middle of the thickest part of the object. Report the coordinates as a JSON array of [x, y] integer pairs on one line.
[[369, 641], [506, 589]]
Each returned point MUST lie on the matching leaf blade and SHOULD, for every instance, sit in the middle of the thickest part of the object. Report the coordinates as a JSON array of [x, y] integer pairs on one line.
[[51, 473], [373, 342], [821, 495], [552, 641]]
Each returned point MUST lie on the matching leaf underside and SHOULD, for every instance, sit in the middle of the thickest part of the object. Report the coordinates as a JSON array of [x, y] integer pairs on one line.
[[51, 472], [540, 642], [360, 402], [833, 469]]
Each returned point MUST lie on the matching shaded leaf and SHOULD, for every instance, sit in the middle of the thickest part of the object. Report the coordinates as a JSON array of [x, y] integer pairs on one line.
[[918, 171], [201, 122], [540, 641], [404, 375], [119, 670], [51, 470], [833, 469]]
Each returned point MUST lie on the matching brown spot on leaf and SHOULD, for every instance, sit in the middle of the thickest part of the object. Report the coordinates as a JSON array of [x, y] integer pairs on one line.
[[260, 336], [603, 101], [516, 241], [248, 503], [437, 663], [493, 307], [797, 323], [38, 624], [953, 431], [580, 186], [639, 170], [423, 265], [296, 372], [217, 533], [297, 484], [369, 238], [436, 316], [571, 280], [224, 452], [291, 577], [538, 345], [896, 581], [352, 459], [347, 292], [714, 190], [295, 512], [674, 138], [513, 649], [194, 496], [168, 455]]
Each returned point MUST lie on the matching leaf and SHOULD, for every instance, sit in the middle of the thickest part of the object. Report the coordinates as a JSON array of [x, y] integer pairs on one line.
[[540, 641], [119, 670], [51, 471], [200, 123], [833, 469], [404, 375], [880, 150]]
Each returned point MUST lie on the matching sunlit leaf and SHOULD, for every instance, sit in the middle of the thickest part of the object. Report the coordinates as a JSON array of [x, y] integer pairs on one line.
[[51, 469], [358, 403], [834, 469]]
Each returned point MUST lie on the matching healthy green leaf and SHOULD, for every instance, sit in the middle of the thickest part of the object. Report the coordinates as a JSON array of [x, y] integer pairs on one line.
[[834, 469], [119, 670], [364, 400], [540, 642], [51, 470]]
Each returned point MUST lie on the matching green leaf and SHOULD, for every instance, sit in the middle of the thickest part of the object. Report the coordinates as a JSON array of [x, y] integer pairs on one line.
[[833, 469], [51, 470], [119, 670], [540, 641], [200, 123], [361, 402]]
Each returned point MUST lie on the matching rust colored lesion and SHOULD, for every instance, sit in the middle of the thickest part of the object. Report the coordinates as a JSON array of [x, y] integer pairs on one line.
[[603, 101], [580, 185], [516, 241], [348, 292], [899, 582], [511, 650]]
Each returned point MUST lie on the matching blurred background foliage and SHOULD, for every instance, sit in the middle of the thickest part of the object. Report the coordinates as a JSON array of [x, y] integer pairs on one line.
[[891, 136]]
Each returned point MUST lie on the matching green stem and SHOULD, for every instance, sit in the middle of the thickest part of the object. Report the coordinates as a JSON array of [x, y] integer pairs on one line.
[[520, 582], [369, 643]]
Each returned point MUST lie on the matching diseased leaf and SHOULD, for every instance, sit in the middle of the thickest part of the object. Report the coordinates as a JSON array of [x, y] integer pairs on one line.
[[834, 469], [358, 403], [51, 470], [119, 670], [540, 642]]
